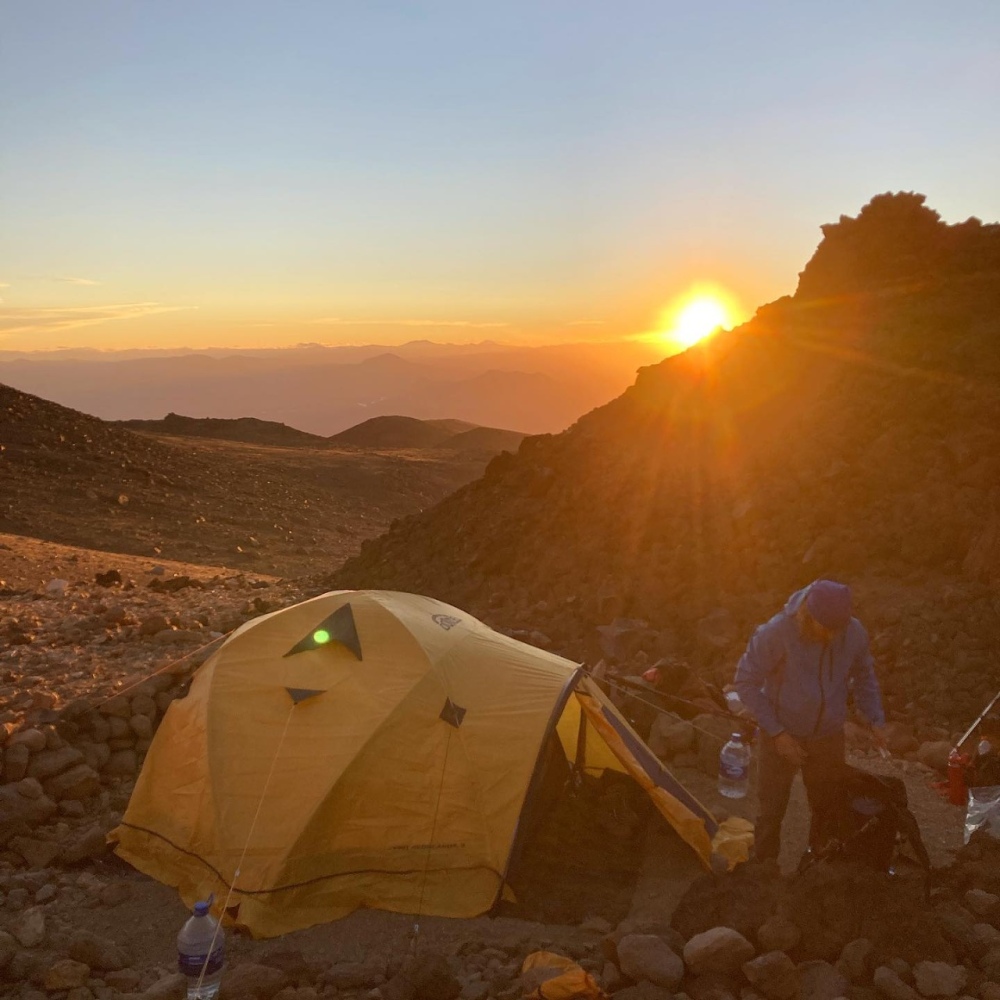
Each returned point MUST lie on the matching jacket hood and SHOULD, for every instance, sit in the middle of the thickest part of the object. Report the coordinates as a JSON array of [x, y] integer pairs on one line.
[[794, 602]]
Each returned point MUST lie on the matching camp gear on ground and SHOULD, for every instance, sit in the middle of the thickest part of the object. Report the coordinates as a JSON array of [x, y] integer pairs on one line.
[[793, 683], [734, 768], [201, 953], [370, 749], [958, 763], [557, 978], [984, 768], [866, 820], [983, 811]]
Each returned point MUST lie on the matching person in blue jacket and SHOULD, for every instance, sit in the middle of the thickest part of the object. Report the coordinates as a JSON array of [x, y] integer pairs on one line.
[[795, 678]]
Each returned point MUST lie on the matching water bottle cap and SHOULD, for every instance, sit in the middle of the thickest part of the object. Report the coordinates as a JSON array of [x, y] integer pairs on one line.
[[737, 736], [201, 908]]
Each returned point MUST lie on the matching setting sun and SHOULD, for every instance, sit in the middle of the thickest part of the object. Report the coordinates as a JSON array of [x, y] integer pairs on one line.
[[696, 315]]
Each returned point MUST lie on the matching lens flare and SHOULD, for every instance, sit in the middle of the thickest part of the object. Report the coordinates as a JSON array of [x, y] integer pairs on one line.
[[321, 637], [695, 315]]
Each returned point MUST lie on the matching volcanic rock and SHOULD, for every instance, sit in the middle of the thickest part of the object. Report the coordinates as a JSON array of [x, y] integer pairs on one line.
[[718, 950], [648, 957]]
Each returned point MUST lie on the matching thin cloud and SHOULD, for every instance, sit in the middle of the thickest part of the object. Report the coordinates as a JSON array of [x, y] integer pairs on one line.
[[64, 278], [587, 322], [4, 284], [54, 319], [337, 321]]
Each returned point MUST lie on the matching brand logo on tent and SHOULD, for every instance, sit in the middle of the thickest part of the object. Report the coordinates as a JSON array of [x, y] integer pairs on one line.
[[446, 621]]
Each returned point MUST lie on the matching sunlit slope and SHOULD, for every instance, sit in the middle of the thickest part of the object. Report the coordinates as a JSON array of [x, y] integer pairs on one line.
[[850, 431]]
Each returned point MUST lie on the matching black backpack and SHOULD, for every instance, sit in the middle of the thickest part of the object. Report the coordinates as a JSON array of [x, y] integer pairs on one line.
[[868, 821]]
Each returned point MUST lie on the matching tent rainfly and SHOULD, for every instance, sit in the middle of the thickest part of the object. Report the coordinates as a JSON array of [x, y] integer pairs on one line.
[[369, 749]]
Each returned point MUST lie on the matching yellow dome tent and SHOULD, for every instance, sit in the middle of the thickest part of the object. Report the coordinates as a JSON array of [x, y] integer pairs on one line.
[[368, 749]]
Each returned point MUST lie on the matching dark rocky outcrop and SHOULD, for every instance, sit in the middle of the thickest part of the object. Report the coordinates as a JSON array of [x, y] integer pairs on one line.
[[852, 431]]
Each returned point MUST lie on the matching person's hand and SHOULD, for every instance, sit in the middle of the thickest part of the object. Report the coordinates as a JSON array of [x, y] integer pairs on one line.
[[789, 748]]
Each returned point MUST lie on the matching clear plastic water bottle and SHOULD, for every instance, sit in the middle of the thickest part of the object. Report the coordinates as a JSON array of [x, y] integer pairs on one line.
[[734, 768], [201, 953]]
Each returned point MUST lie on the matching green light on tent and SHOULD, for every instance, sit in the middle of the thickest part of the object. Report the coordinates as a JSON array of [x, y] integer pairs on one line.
[[321, 637]]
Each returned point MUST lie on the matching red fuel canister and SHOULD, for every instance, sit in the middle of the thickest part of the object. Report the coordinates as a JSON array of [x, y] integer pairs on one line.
[[957, 764]]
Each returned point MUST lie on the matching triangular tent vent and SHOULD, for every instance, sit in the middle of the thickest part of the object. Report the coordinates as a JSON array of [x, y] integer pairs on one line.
[[338, 627], [300, 694], [452, 714]]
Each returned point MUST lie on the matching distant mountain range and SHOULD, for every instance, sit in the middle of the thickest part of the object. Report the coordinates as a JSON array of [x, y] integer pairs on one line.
[[325, 390], [389, 433]]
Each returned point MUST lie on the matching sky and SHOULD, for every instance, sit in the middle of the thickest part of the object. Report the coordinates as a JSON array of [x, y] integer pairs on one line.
[[254, 174]]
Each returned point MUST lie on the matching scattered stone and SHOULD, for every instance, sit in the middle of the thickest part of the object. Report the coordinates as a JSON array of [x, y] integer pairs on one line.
[[49, 763], [8, 948], [773, 975], [91, 843], [980, 902], [821, 981], [38, 853], [778, 933], [125, 980], [66, 974], [172, 987], [939, 979], [33, 739], [889, 985], [648, 957], [29, 928], [854, 959], [935, 755], [79, 782], [114, 893], [354, 976], [646, 991], [123, 764], [721, 950], [251, 981], [97, 952], [425, 977], [46, 894]]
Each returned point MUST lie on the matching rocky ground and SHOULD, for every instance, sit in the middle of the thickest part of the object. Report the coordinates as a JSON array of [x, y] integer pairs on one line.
[[71, 478], [88, 668]]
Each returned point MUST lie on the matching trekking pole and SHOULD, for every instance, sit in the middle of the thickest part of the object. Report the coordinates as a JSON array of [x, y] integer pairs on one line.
[[982, 715]]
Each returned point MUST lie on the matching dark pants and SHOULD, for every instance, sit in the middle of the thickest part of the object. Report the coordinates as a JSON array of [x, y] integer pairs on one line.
[[821, 773]]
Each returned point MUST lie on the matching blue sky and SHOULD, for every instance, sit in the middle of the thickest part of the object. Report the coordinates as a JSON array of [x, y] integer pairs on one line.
[[225, 173]]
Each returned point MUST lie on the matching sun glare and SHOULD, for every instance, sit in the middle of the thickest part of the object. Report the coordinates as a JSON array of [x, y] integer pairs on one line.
[[696, 315]]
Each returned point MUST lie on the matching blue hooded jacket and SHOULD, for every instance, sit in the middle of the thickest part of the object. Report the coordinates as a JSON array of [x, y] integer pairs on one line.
[[799, 685]]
